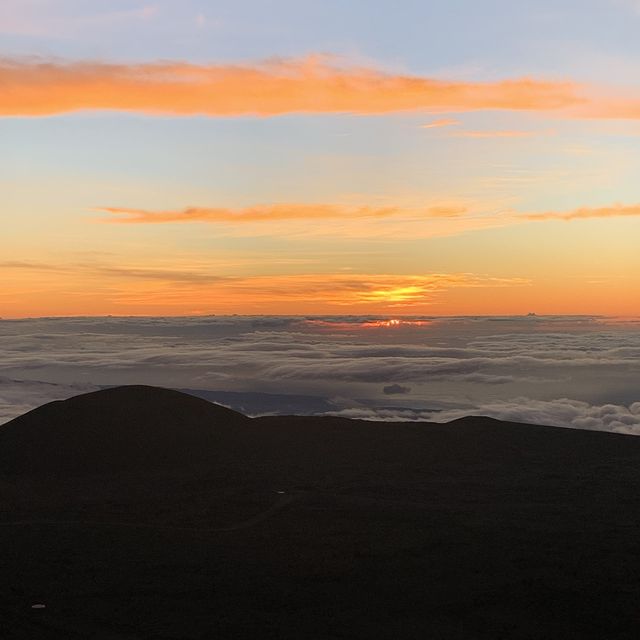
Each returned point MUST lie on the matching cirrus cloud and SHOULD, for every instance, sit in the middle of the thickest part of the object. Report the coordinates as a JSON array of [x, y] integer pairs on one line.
[[273, 212], [585, 213], [456, 218]]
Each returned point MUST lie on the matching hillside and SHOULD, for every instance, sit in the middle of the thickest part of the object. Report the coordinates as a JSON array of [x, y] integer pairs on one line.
[[134, 428], [138, 512]]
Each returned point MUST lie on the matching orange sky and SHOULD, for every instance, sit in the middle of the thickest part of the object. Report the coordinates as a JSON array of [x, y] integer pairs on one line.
[[155, 163]]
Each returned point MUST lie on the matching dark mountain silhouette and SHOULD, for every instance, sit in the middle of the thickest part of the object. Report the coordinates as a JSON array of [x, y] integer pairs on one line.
[[138, 512], [133, 428]]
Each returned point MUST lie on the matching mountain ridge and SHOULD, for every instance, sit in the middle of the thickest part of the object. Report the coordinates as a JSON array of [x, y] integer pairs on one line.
[[138, 428]]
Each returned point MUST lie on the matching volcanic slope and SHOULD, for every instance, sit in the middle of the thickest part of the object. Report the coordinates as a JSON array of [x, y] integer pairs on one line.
[[138, 512], [132, 428]]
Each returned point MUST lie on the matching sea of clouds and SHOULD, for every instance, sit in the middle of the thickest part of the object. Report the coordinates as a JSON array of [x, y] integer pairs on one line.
[[580, 372]]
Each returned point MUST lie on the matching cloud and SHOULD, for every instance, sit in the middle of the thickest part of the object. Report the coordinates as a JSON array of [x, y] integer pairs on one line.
[[395, 389], [434, 218], [192, 287], [562, 412], [276, 212], [461, 365], [297, 349], [361, 289], [442, 122], [443, 219], [585, 213], [19, 396], [186, 276], [315, 84], [382, 414], [259, 213]]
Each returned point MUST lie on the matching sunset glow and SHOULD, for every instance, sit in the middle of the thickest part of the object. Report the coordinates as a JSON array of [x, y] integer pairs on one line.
[[165, 160], [320, 318]]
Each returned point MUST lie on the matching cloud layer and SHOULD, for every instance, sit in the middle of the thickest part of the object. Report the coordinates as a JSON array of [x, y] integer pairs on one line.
[[19, 396], [571, 372]]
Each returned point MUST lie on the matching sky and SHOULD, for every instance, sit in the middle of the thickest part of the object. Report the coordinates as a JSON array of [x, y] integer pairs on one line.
[[579, 372], [300, 157]]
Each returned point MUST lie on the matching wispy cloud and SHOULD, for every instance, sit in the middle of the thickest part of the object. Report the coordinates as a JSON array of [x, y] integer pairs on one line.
[[188, 288], [442, 122], [365, 221], [585, 213], [363, 289], [315, 84], [455, 213], [324, 220], [175, 276], [313, 292], [271, 213]]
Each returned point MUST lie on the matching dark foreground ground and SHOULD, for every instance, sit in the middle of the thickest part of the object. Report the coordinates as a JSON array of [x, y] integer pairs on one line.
[[138, 513]]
